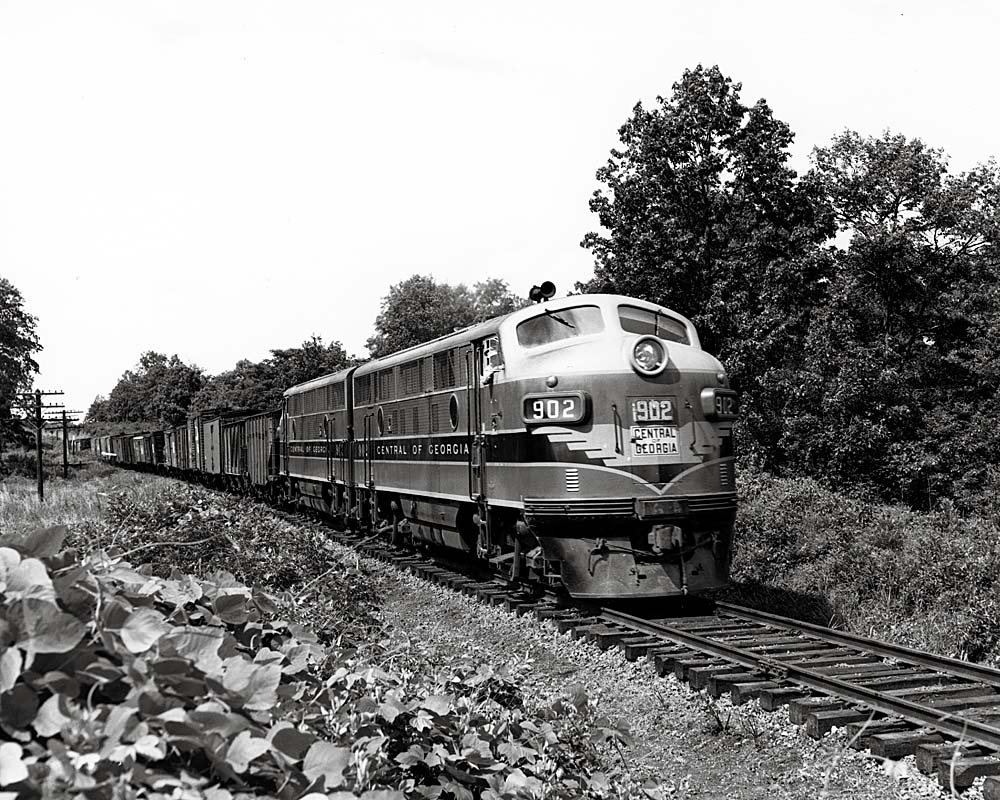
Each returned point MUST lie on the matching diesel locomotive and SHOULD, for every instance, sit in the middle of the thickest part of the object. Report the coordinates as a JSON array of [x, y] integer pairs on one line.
[[583, 442]]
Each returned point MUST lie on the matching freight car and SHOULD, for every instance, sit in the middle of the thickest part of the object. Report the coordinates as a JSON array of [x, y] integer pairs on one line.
[[584, 442]]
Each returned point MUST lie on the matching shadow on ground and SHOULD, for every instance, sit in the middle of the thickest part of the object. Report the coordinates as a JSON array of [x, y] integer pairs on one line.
[[759, 596], [812, 608]]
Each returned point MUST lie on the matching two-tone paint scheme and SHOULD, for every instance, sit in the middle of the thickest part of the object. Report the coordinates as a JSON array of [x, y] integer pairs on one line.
[[536, 440]]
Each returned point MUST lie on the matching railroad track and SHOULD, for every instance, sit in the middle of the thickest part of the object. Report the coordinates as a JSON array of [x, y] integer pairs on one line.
[[893, 700]]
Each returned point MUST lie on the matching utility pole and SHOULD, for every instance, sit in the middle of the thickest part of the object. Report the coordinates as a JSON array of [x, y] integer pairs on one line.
[[65, 419], [65, 446], [31, 403]]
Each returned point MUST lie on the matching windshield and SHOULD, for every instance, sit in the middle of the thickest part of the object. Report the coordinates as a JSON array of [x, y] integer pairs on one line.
[[643, 321], [566, 323]]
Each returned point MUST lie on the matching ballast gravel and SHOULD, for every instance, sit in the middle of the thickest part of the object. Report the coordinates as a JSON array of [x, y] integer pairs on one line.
[[688, 743]]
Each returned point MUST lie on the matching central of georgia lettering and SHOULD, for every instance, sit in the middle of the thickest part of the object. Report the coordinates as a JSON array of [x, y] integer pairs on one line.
[[418, 449], [383, 450]]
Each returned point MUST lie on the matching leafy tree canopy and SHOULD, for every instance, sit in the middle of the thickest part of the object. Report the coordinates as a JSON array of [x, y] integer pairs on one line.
[[156, 393], [18, 344], [259, 385], [899, 363], [702, 213], [866, 365], [419, 309]]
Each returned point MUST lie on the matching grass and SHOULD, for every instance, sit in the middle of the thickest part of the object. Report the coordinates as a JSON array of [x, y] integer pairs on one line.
[[74, 501]]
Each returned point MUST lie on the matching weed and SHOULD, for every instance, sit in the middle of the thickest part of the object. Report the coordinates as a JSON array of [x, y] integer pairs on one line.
[[720, 718]]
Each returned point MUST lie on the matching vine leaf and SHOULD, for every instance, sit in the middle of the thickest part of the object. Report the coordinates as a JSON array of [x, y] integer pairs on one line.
[[198, 644], [42, 542], [142, 629], [255, 684], [326, 760], [9, 559], [52, 716], [18, 707], [232, 608], [152, 747], [439, 704], [12, 768], [30, 579], [290, 741], [46, 629], [244, 749], [10, 668]]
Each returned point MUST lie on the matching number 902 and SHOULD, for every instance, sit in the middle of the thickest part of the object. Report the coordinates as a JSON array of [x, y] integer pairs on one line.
[[553, 408]]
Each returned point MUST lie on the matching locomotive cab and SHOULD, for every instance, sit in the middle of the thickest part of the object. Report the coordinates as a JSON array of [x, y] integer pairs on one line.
[[626, 477]]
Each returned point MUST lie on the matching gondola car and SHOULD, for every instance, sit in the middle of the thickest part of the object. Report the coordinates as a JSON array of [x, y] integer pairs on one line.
[[585, 441]]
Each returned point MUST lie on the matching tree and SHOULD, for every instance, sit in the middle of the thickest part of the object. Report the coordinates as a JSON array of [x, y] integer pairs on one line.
[[157, 393], [260, 385], [700, 207], [493, 298], [898, 366], [18, 344], [419, 309], [702, 214]]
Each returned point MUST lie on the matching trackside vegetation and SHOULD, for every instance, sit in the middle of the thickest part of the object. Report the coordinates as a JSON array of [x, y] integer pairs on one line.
[[927, 580], [166, 650]]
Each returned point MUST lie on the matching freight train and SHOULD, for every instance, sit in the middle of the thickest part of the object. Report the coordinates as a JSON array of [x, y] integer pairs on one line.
[[585, 442]]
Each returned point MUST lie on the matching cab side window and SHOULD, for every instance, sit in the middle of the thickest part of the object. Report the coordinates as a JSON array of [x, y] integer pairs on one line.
[[492, 359]]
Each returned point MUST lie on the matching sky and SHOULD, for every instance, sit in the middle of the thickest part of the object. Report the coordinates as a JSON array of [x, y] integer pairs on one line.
[[216, 179]]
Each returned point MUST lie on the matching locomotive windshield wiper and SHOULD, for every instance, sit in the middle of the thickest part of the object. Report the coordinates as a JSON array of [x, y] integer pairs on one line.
[[558, 319]]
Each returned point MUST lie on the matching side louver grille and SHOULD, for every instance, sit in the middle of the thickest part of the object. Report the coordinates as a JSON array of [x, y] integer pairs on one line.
[[572, 480], [624, 506], [613, 507], [726, 476], [712, 502]]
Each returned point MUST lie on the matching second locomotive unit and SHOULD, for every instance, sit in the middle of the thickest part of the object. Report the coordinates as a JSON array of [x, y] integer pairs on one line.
[[585, 441]]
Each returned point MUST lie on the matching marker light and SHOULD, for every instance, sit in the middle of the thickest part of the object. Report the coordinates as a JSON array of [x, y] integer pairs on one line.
[[649, 356]]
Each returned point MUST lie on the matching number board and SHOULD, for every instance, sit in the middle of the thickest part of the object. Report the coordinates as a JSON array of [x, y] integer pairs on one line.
[[564, 407], [646, 410]]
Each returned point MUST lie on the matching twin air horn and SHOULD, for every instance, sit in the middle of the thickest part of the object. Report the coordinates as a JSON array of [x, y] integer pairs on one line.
[[539, 294]]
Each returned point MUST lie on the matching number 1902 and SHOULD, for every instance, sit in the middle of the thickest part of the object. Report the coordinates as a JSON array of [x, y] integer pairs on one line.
[[653, 409]]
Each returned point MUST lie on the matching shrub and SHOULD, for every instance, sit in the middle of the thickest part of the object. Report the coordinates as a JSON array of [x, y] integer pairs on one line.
[[928, 579]]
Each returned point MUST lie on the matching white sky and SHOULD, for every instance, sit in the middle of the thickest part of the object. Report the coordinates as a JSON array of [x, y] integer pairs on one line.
[[215, 179]]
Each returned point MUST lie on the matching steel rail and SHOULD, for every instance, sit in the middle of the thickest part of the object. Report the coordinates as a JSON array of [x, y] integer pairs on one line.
[[962, 728], [953, 666]]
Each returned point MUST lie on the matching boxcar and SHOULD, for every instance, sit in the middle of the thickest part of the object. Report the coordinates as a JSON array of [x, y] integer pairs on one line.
[[248, 449], [196, 462], [139, 449], [122, 449], [175, 448], [211, 444]]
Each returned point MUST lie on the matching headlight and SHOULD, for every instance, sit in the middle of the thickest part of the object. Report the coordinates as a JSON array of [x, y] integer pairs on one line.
[[649, 356]]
